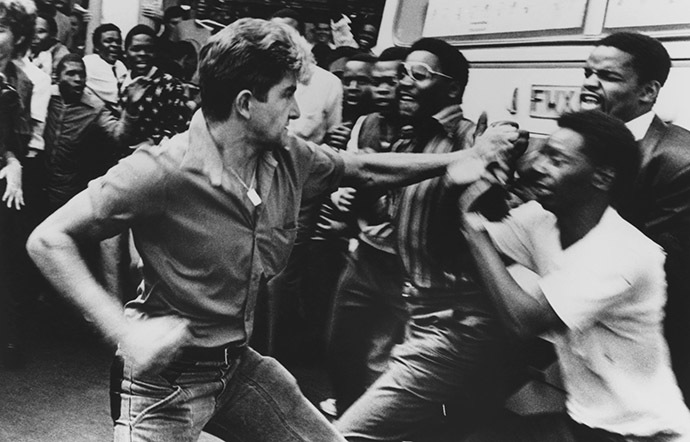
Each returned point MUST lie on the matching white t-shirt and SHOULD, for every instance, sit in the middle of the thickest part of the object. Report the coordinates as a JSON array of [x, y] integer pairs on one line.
[[320, 105], [103, 78], [609, 289]]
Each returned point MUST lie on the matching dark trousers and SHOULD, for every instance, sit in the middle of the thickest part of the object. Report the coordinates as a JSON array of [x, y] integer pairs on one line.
[[369, 316]]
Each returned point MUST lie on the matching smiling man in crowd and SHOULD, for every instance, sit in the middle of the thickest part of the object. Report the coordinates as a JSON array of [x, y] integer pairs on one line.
[[455, 352], [162, 109], [214, 213], [104, 70]]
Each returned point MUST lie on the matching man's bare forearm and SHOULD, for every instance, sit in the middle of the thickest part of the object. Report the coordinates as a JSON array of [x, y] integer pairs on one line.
[[388, 170], [57, 255]]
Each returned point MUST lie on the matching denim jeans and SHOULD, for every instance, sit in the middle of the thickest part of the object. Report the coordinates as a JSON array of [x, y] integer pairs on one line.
[[456, 358], [252, 398]]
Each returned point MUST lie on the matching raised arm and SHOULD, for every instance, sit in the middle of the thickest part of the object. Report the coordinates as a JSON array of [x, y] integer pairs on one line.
[[523, 314], [401, 169]]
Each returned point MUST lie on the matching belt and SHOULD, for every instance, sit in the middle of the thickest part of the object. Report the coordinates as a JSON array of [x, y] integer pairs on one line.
[[223, 353]]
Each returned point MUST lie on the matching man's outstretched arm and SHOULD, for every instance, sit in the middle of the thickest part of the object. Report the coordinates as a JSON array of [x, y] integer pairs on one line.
[[400, 169], [53, 246]]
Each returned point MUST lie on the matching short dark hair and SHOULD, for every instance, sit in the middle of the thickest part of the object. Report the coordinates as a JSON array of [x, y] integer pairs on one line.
[[20, 17], [290, 13], [139, 30], [650, 58], [69, 58], [394, 53], [50, 21], [608, 143], [453, 63], [249, 54], [102, 29]]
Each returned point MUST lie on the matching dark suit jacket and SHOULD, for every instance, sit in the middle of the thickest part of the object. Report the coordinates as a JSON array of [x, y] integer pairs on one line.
[[660, 207]]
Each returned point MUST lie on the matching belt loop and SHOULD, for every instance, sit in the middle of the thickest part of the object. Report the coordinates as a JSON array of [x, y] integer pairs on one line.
[[225, 354]]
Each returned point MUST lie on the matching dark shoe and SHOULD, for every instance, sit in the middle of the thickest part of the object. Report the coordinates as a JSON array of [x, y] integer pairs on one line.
[[12, 357]]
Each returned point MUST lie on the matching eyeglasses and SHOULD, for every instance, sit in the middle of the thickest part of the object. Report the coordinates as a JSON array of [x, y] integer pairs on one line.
[[418, 71]]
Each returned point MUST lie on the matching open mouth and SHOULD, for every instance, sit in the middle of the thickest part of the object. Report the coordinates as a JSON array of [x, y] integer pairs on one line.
[[539, 189], [352, 99], [406, 98], [589, 101]]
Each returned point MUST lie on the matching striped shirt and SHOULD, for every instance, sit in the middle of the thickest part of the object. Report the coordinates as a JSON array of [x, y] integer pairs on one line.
[[427, 222]]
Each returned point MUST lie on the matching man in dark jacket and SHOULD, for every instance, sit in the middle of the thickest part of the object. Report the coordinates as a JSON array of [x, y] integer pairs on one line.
[[82, 135], [623, 77]]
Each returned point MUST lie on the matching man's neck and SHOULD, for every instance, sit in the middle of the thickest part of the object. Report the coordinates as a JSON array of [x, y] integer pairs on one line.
[[577, 222], [3, 63], [236, 147], [102, 58]]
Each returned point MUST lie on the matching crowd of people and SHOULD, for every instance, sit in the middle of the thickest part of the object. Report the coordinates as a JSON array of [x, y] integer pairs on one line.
[[322, 202]]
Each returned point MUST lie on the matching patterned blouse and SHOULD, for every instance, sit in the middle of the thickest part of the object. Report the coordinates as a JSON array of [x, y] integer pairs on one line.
[[162, 111]]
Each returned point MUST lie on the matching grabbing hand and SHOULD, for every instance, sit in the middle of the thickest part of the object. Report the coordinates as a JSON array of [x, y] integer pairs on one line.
[[494, 142], [466, 170], [339, 136], [152, 343], [136, 90], [342, 198], [13, 195]]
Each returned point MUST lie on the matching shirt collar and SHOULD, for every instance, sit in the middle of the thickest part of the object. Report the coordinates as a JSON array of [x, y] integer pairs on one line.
[[203, 154], [88, 97], [640, 125], [449, 118]]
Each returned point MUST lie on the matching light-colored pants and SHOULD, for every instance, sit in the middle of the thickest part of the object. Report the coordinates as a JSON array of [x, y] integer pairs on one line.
[[252, 398]]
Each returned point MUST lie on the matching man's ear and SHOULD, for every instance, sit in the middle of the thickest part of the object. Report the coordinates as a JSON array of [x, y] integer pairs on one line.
[[454, 91], [603, 178], [243, 104], [650, 91], [20, 41]]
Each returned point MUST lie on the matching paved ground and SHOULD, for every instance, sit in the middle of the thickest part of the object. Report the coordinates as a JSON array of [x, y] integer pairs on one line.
[[61, 394]]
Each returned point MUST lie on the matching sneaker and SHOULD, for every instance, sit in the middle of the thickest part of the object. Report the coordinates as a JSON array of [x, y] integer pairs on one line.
[[329, 407]]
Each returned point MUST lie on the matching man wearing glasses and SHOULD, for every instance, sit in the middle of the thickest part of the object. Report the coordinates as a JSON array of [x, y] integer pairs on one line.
[[455, 353]]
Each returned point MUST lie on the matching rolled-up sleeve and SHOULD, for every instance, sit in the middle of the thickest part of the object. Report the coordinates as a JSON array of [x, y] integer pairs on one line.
[[325, 172], [132, 189]]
